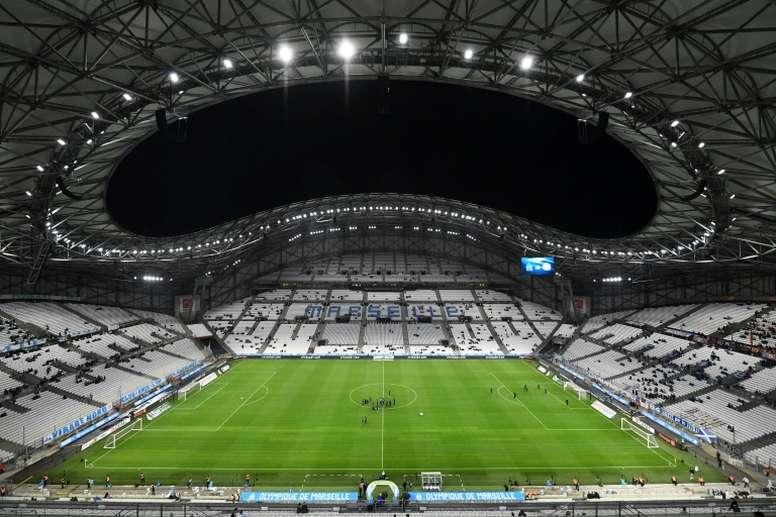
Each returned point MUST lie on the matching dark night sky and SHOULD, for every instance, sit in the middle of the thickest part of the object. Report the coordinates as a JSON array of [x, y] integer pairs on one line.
[[273, 148]]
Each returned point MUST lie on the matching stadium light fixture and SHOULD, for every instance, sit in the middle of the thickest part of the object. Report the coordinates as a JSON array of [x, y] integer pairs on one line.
[[28, 193], [346, 50], [701, 145], [732, 196], [628, 95], [228, 63], [674, 123], [174, 77], [127, 97], [673, 144], [39, 168], [403, 38], [720, 172], [89, 142], [468, 54], [95, 115], [61, 142], [285, 54], [580, 78], [526, 62]]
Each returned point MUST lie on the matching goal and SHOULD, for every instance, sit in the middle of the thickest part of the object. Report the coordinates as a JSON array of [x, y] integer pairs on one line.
[[135, 426], [582, 393], [648, 438], [183, 393]]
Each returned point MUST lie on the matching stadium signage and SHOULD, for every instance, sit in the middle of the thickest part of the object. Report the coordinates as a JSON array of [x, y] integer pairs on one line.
[[107, 432], [83, 432], [21, 345], [381, 311], [207, 379], [670, 427], [468, 497], [639, 422], [75, 424], [140, 391], [299, 497], [603, 409], [158, 411]]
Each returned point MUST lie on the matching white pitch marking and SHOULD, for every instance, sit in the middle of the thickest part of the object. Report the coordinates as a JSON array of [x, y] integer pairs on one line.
[[238, 408]]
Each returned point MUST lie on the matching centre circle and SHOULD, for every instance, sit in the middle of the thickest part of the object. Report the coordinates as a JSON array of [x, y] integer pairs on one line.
[[403, 395]]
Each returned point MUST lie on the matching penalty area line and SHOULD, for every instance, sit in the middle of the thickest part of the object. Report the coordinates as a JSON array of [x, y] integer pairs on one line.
[[516, 400], [238, 408]]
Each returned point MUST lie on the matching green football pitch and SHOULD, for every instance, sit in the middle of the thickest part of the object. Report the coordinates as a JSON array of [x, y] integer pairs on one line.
[[298, 423]]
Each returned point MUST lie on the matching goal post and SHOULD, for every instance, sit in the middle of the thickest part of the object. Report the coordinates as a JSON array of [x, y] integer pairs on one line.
[[648, 438], [582, 393], [136, 425]]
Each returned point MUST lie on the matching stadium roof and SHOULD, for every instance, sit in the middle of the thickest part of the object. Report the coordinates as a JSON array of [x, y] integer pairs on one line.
[[689, 86]]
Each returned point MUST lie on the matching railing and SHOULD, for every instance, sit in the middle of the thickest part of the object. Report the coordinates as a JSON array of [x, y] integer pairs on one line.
[[108, 508]]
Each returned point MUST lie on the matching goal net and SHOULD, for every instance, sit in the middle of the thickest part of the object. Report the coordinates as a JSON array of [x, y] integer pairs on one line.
[[646, 437], [582, 393], [183, 392], [135, 426]]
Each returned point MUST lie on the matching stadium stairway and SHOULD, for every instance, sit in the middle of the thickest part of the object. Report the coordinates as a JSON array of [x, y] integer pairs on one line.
[[697, 393], [756, 443], [491, 329], [56, 363], [130, 370], [83, 316], [574, 336], [519, 306], [10, 446], [681, 316], [13, 406], [172, 354], [295, 333], [361, 333], [23, 325], [73, 396], [27, 378], [406, 335], [547, 340], [271, 334], [740, 325]]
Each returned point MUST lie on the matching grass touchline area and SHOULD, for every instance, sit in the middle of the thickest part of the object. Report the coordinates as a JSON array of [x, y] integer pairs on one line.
[[290, 423]]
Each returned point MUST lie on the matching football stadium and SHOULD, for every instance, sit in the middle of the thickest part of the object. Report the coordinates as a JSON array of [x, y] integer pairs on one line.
[[455, 257]]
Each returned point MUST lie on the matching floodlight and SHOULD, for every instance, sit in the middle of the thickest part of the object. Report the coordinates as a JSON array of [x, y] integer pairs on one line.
[[701, 145], [174, 78], [674, 123], [580, 78], [403, 38], [228, 63], [127, 97], [285, 54], [628, 95], [346, 50], [468, 53], [527, 62], [61, 142]]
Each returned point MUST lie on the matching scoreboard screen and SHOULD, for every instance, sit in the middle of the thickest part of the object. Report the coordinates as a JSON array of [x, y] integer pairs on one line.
[[538, 266]]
